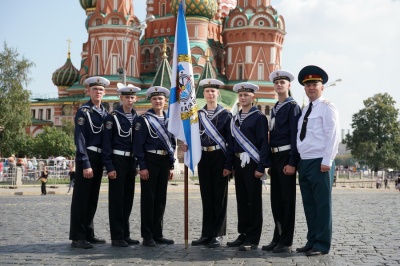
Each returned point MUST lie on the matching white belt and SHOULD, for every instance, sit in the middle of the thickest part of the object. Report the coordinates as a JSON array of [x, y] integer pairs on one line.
[[160, 152], [122, 153], [94, 148], [211, 148], [281, 148]]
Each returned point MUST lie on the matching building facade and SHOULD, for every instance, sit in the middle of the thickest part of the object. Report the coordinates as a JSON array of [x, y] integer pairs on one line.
[[234, 41]]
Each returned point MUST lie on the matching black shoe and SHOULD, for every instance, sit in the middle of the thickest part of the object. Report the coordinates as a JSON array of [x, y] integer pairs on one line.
[[215, 242], [162, 240], [119, 243], [95, 240], [81, 244], [270, 246], [303, 249], [237, 242], [282, 248], [247, 246], [314, 252], [131, 241], [201, 241], [148, 242]]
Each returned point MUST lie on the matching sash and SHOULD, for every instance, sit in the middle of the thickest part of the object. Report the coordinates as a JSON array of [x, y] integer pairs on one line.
[[85, 110], [161, 130], [211, 130], [241, 138]]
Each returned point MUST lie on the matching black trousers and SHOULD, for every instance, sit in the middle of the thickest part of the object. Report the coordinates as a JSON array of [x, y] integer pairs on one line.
[[214, 193], [153, 195], [249, 201], [43, 188], [283, 199], [120, 196], [84, 198]]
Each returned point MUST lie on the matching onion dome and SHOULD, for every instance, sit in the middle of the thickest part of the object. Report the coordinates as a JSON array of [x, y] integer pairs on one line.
[[66, 75], [203, 8], [88, 4]]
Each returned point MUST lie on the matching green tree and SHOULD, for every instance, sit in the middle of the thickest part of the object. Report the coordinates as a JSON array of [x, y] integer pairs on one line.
[[14, 99], [68, 126], [53, 142], [376, 133]]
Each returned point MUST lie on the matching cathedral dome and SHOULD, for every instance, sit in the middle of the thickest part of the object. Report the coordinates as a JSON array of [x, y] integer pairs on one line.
[[65, 75], [88, 4], [204, 8]]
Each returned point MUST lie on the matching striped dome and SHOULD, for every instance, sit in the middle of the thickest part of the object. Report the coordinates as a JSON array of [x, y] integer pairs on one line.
[[204, 8], [65, 75]]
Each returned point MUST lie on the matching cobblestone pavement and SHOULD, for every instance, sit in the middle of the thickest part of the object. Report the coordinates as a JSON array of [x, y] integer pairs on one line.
[[34, 230]]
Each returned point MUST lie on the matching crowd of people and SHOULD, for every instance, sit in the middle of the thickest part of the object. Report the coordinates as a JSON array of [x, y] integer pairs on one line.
[[243, 145]]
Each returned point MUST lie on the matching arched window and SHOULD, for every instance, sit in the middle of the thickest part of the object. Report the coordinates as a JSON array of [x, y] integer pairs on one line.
[[147, 56]]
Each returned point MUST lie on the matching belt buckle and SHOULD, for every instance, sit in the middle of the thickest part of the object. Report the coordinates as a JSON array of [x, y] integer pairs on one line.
[[210, 148], [163, 152]]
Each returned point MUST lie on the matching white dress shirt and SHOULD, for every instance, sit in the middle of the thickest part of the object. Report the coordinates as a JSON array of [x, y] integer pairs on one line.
[[323, 132]]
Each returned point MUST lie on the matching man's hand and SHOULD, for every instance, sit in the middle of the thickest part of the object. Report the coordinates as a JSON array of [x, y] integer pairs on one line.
[[258, 174], [112, 174], [144, 174], [171, 174], [185, 148], [325, 168], [88, 173], [226, 173], [289, 170]]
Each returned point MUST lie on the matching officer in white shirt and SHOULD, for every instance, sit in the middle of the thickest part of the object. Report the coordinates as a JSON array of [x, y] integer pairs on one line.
[[317, 142]]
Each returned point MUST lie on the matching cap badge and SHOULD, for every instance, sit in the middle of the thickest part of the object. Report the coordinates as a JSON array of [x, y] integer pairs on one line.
[[156, 89]]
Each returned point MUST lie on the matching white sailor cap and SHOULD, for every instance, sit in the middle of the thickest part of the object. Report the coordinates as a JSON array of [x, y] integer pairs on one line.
[[281, 74], [211, 83], [97, 81], [157, 90], [127, 90], [245, 86]]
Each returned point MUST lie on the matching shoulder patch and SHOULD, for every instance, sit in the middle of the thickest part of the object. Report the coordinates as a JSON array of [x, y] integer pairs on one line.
[[137, 126], [109, 124], [81, 121], [327, 102]]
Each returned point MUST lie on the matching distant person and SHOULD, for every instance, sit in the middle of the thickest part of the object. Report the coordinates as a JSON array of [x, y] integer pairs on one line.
[[385, 181], [317, 142], [43, 179], [71, 175]]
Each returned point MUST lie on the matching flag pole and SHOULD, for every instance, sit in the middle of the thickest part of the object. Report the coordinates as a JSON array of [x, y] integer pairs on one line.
[[186, 207]]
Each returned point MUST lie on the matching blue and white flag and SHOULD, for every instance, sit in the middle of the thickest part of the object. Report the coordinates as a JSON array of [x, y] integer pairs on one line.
[[183, 116]]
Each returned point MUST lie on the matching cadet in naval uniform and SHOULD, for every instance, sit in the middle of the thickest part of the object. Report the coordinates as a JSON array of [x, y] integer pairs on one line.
[[215, 165], [317, 142], [154, 149], [120, 165], [89, 167], [250, 131], [284, 159]]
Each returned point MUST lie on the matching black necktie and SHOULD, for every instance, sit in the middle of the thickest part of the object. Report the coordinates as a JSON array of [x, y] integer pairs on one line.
[[304, 126]]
